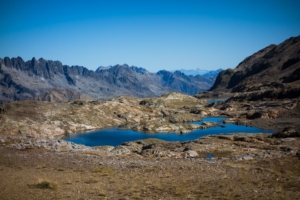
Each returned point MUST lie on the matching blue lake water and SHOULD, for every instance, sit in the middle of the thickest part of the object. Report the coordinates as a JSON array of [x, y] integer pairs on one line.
[[215, 100], [115, 136]]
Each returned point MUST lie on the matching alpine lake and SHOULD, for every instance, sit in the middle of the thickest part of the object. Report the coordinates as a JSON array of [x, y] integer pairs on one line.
[[116, 136]]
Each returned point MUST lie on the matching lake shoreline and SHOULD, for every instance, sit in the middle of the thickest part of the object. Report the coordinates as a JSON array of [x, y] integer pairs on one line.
[[117, 135]]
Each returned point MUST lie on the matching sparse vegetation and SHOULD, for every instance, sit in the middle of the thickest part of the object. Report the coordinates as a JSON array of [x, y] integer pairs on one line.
[[45, 185], [91, 181], [155, 178], [150, 169], [103, 170]]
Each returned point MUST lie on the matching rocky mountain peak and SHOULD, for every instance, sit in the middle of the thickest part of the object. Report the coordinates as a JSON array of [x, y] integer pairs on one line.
[[139, 69], [103, 68]]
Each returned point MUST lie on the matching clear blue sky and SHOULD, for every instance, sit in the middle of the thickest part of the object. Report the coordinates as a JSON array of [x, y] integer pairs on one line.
[[153, 34]]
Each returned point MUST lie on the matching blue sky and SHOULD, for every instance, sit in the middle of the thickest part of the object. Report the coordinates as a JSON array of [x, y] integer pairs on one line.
[[156, 34]]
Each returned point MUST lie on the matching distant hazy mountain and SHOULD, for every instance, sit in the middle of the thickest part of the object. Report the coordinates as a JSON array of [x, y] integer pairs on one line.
[[52, 81], [186, 84], [195, 72], [213, 73]]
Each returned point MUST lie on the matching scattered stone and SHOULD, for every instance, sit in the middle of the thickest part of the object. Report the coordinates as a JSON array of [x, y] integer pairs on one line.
[[225, 137], [104, 148], [298, 154], [284, 148], [241, 138], [254, 115], [120, 150], [191, 154], [287, 132], [288, 139], [181, 149]]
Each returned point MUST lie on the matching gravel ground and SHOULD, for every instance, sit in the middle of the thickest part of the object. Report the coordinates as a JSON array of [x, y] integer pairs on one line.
[[40, 173]]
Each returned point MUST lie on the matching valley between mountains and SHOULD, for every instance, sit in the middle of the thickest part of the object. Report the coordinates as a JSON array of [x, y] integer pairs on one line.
[[44, 101]]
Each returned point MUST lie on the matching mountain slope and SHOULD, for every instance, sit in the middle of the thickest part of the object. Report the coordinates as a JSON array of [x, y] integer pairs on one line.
[[273, 72], [273, 63]]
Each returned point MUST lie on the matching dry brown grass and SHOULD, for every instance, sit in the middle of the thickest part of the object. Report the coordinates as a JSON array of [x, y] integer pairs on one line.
[[103, 170], [42, 184], [94, 177]]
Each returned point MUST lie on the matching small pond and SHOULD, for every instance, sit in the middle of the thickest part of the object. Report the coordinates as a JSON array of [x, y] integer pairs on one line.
[[115, 136], [216, 100]]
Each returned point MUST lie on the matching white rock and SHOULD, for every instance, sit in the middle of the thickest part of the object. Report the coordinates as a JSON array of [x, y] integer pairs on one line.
[[191, 154]]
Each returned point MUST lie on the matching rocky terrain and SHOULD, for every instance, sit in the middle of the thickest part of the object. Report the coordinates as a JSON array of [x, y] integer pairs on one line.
[[263, 91], [43, 174], [39, 118], [49, 80], [35, 160]]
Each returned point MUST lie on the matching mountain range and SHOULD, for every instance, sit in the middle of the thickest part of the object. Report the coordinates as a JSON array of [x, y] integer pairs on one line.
[[272, 72], [52, 81]]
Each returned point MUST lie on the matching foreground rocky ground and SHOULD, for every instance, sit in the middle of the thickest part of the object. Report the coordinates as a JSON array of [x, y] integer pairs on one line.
[[242, 167], [36, 164]]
